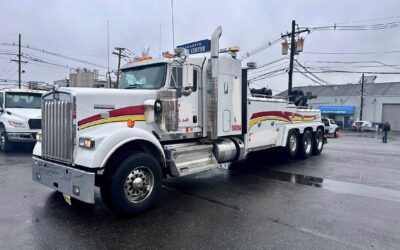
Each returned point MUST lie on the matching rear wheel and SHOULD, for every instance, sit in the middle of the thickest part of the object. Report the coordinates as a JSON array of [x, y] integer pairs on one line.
[[135, 185], [5, 144], [292, 144], [318, 142], [306, 145]]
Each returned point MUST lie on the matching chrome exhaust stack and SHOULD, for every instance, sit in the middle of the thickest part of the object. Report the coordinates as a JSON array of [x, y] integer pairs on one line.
[[213, 102]]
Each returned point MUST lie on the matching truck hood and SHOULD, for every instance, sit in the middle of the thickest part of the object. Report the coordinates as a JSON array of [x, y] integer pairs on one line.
[[96, 104], [24, 113]]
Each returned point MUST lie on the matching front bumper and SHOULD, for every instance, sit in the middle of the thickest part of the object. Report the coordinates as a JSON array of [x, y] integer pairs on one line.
[[21, 137], [70, 181]]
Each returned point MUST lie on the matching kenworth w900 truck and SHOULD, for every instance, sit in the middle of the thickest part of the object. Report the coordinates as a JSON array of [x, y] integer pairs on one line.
[[171, 116]]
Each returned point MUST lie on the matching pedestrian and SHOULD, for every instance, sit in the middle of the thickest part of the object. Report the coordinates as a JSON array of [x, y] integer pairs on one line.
[[385, 129]]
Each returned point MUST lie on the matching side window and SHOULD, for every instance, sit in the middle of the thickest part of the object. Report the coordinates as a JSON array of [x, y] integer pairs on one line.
[[176, 77], [195, 79], [1, 99]]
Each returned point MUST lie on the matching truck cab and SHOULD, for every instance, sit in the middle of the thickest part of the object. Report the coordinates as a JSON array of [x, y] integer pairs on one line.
[[20, 117]]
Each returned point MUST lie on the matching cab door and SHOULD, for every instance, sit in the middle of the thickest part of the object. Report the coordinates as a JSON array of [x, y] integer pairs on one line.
[[188, 104]]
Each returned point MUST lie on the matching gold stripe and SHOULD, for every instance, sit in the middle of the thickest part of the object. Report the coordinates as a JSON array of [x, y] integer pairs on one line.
[[113, 119], [277, 118], [259, 119]]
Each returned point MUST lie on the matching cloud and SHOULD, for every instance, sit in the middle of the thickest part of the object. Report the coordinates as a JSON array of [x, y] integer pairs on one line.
[[79, 29]]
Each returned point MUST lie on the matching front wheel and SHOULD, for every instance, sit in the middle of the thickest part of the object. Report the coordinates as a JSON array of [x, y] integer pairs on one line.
[[5, 144], [135, 185], [306, 145], [318, 142], [336, 133]]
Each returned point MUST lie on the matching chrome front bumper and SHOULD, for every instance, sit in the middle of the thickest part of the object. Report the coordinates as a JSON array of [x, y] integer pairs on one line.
[[70, 181], [21, 137]]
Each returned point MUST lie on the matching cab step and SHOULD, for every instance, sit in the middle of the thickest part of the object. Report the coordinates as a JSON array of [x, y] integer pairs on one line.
[[185, 159]]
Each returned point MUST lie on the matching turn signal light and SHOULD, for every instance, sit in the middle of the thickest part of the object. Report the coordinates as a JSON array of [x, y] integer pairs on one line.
[[131, 123]]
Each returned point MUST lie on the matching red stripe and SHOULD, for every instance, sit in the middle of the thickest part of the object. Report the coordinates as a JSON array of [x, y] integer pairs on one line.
[[89, 119], [265, 113], [285, 115], [131, 110]]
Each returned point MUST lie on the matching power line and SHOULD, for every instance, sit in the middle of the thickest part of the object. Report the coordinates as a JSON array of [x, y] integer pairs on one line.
[[376, 26], [353, 53], [316, 77], [55, 54], [269, 68], [264, 46]]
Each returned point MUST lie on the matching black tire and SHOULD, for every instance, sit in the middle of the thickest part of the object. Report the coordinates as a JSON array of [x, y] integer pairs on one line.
[[306, 145], [318, 142], [5, 144], [292, 148], [335, 134], [127, 196]]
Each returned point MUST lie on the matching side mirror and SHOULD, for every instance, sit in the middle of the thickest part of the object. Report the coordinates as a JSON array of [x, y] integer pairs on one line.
[[187, 83]]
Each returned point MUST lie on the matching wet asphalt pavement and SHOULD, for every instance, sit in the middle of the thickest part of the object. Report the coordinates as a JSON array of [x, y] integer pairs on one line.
[[348, 197]]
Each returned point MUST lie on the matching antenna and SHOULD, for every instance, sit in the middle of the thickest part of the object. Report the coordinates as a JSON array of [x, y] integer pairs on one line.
[[108, 53], [160, 39], [173, 30]]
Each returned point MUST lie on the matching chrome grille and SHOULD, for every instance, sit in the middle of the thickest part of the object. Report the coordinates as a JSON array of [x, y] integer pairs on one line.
[[57, 141]]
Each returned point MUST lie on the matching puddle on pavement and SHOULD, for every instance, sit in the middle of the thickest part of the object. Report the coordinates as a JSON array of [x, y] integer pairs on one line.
[[335, 186]]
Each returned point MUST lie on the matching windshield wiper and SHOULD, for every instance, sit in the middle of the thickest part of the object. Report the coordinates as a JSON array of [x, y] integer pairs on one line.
[[135, 86]]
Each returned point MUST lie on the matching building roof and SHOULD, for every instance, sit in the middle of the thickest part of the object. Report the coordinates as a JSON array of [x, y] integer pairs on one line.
[[370, 89]]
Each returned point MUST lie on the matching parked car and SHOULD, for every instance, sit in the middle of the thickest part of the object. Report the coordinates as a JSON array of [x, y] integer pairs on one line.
[[362, 126], [331, 128]]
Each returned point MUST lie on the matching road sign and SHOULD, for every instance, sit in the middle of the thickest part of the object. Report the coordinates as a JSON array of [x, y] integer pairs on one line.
[[197, 47]]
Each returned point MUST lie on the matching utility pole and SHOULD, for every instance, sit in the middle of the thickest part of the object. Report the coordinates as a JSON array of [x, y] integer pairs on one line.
[[119, 54], [292, 36], [19, 61], [362, 97], [292, 51]]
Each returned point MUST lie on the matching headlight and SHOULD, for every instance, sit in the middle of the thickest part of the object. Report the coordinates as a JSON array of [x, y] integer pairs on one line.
[[38, 137], [86, 142], [16, 124]]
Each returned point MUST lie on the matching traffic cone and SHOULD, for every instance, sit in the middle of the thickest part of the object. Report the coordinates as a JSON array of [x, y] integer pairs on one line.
[[339, 134]]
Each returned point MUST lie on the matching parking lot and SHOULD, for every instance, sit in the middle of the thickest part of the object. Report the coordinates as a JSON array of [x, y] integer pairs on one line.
[[349, 197]]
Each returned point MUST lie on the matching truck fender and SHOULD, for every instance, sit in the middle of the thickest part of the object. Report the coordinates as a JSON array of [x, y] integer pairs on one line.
[[113, 141]]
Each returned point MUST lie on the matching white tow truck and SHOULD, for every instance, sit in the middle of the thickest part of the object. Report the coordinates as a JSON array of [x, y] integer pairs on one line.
[[20, 117], [172, 116]]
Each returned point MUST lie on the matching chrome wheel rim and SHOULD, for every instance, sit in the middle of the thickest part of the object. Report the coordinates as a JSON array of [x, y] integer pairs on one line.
[[307, 145], [319, 143], [2, 141], [293, 143], [138, 184]]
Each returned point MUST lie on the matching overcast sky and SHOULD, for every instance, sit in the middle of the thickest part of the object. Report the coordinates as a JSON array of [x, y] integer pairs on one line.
[[78, 29]]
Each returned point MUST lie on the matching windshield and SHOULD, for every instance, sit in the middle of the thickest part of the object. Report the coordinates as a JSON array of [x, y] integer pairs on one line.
[[144, 77], [23, 100]]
